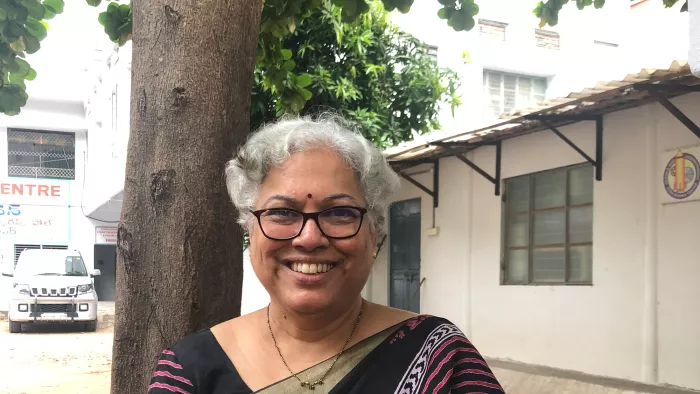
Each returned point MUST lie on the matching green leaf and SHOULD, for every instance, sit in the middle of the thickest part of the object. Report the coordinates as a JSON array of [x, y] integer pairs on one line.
[[305, 94], [304, 80], [54, 5], [286, 54], [289, 65], [35, 9], [18, 46], [32, 44], [684, 8], [442, 13], [598, 4], [36, 28], [94, 3], [31, 75]]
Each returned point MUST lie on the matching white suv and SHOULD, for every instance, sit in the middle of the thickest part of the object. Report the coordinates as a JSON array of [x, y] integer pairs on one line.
[[52, 286]]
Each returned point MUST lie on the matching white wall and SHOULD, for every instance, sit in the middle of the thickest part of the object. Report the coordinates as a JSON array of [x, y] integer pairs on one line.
[[68, 225], [577, 64], [254, 295], [597, 329], [694, 30], [109, 131]]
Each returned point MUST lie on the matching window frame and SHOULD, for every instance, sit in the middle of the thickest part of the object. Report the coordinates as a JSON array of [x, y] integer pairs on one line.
[[505, 221], [488, 74], [37, 171]]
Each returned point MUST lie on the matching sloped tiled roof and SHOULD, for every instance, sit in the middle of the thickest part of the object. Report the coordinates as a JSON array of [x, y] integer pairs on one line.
[[604, 97]]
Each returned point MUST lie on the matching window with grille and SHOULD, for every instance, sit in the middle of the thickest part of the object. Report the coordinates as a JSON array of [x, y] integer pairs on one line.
[[433, 51], [505, 92], [547, 39], [548, 227], [40, 154], [492, 30], [19, 248]]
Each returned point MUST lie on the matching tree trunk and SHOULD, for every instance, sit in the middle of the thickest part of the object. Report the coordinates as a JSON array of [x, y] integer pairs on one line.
[[179, 248]]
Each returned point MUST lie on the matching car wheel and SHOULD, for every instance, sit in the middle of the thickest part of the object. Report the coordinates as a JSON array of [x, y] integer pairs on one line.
[[91, 326], [15, 327]]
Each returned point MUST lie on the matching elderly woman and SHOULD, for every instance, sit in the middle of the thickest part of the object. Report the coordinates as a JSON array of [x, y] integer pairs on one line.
[[313, 196]]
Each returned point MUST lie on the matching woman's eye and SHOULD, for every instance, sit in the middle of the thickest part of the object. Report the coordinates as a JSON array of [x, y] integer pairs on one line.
[[280, 213], [343, 213]]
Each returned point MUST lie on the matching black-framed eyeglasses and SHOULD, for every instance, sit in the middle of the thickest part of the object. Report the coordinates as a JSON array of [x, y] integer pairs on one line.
[[283, 224]]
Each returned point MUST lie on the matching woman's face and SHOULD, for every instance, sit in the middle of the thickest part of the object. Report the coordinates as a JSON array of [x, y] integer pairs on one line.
[[312, 181]]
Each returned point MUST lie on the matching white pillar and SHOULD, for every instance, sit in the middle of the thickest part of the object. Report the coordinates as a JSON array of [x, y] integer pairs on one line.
[[650, 335], [468, 236], [694, 43]]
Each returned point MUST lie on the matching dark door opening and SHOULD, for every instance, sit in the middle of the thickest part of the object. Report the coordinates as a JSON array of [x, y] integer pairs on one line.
[[405, 255], [106, 262]]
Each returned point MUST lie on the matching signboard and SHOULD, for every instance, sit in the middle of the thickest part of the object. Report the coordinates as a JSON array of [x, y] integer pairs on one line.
[[35, 192], [680, 172], [106, 235], [34, 224]]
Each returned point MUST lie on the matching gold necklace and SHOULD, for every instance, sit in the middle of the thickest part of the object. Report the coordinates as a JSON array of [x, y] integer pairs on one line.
[[319, 382]]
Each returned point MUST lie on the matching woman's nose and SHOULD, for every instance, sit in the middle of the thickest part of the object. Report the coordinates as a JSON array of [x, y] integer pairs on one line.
[[310, 237]]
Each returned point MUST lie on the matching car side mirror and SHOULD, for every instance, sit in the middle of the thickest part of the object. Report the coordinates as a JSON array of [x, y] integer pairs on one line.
[[96, 272]]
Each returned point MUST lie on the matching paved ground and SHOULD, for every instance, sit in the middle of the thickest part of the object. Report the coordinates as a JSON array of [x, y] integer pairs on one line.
[[63, 360], [57, 359]]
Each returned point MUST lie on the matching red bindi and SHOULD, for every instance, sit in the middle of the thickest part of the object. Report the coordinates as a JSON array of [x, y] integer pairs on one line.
[[309, 195]]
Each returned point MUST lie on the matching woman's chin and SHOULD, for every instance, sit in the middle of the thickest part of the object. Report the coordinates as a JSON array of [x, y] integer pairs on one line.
[[309, 301]]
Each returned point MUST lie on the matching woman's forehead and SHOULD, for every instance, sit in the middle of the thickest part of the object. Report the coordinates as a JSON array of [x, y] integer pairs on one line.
[[319, 173]]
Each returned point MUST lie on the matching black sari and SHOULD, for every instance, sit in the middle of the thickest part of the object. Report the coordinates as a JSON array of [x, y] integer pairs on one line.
[[423, 355]]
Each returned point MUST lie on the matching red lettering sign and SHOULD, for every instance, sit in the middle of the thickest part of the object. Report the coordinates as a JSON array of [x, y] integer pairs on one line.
[[29, 189]]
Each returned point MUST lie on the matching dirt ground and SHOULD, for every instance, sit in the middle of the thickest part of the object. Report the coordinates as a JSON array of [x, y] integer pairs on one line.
[[57, 359], [64, 360]]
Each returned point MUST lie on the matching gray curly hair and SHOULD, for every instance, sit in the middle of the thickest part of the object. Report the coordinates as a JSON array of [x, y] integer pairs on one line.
[[274, 143]]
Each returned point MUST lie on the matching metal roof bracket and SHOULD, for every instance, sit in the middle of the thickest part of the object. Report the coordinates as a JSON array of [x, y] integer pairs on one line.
[[495, 180], [436, 182], [598, 162], [655, 92]]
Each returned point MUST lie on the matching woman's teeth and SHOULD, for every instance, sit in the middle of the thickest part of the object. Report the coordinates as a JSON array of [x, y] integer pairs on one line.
[[310, 268]]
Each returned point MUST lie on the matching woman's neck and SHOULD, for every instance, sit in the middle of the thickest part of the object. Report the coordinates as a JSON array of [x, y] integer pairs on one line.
[[332, 325]]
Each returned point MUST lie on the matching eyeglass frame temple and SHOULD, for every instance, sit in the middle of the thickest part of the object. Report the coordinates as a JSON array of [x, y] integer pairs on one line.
[[310, 215]]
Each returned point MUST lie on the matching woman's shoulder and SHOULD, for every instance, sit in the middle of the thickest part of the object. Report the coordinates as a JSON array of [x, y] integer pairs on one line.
[[195, 345]]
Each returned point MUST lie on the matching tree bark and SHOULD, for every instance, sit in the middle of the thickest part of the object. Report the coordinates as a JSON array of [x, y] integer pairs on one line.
[[179, 266]]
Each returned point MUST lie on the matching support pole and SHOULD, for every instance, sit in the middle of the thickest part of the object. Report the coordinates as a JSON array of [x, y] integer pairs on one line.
[[498, 168], [599, 149]]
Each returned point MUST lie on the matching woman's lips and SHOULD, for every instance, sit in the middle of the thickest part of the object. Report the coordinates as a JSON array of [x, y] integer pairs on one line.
[[310, 268]]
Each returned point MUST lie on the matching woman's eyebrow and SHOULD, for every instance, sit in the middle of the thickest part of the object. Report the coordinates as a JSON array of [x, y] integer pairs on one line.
[[340, 196], [283, 198]]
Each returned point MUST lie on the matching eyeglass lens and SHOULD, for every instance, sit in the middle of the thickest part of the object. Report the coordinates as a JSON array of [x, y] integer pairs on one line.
[[335, 222]]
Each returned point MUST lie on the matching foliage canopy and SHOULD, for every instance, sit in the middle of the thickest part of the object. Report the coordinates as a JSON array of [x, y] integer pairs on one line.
[[23, 26]]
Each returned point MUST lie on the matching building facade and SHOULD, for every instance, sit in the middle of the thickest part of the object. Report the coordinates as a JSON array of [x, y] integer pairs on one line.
[[42, 183], [562, 270]]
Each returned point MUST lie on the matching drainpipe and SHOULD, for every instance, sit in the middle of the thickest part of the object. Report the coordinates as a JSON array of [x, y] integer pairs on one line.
[[694, 28]]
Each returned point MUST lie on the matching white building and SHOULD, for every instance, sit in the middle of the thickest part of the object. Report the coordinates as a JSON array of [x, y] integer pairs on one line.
[[560, 269], [44, 157], [450, 260]]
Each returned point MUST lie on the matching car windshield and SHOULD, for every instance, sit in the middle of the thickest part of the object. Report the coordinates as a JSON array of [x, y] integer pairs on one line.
[[51, 265]]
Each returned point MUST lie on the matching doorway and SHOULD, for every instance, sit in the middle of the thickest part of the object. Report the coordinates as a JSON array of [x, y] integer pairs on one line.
[[106, 262], [404, 256]]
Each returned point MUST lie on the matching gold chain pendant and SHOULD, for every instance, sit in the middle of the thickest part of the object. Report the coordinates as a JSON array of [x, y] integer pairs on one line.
[[312, 385]]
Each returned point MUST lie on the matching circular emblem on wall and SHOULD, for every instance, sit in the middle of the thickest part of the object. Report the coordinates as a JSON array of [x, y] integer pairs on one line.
[[682, 176]]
